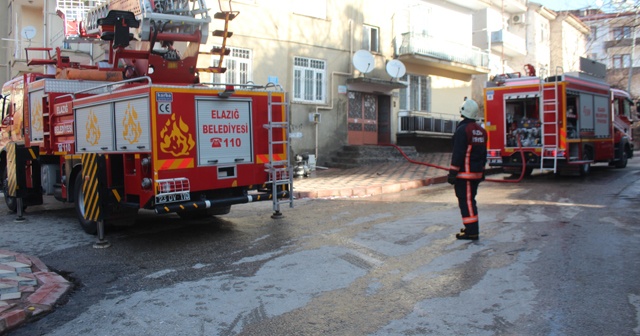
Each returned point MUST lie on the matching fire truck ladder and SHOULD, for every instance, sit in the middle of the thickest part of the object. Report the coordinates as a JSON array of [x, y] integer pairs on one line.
[[280, 171], [222, 50], [549, 107]]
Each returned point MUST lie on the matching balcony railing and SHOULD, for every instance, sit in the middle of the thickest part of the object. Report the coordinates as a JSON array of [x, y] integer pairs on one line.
[[415, 43], [412, 122], [513, 44]]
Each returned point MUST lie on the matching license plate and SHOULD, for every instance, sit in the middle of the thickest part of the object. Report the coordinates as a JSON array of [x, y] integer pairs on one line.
[[171, 198]]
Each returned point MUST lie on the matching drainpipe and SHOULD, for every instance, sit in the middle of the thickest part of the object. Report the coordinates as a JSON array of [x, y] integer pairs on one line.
[[45, 33], [633, 52], [330, 92]]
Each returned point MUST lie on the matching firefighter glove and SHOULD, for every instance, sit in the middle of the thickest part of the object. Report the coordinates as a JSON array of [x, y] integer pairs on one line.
[[451, 179]]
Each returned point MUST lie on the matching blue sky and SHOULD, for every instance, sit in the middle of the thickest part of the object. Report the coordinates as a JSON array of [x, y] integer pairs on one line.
[[566, 4], [559, 5]]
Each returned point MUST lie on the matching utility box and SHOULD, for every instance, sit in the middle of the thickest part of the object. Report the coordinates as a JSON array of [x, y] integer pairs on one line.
[[314, 117]]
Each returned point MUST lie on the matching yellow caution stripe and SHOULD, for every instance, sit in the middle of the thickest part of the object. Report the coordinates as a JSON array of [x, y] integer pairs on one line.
[[264, 158], [90, 187], [12, 186]]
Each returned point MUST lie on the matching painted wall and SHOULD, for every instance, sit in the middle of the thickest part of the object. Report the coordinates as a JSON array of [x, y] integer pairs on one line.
[[4, 45]]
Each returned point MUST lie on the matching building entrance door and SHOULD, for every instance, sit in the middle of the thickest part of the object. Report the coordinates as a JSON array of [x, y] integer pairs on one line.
[[362, 118]]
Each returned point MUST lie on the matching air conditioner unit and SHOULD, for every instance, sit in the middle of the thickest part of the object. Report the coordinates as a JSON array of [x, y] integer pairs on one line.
[[518, 18]]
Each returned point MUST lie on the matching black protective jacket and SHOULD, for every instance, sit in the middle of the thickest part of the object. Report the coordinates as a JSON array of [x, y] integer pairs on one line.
[[469, 151]]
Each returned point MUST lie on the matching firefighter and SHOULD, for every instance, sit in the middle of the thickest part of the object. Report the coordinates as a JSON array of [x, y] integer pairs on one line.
[[467, 167]]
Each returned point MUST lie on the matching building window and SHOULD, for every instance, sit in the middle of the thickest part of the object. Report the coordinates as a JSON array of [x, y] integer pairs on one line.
[[309, 80], [417, 96], [594, 33], [313, 8], [621, 61], [621, 32], [370, 38], [544, 32], [238, 64]]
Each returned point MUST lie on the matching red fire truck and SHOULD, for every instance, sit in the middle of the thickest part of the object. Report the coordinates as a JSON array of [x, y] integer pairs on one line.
[[562, 123], [139, 130]]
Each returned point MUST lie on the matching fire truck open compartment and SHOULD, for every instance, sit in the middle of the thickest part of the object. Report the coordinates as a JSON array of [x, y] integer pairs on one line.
[[522, 118]]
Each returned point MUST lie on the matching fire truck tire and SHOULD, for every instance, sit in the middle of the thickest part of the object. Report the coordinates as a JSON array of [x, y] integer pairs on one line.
[[585, 168], [11, 202], [624, 157], [528, 171], [90, 227]]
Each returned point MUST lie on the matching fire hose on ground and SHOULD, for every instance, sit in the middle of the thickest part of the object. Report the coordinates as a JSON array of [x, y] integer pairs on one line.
[[522, 172]]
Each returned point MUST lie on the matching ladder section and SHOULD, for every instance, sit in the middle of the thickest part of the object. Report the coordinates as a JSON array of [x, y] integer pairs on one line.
[[221, 51], [549, 128], [280, 171], [160, 20]]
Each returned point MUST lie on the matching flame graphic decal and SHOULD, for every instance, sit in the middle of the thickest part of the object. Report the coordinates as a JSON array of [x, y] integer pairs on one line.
[[93, 130], [131, 126], [176, 138], [36, 118]]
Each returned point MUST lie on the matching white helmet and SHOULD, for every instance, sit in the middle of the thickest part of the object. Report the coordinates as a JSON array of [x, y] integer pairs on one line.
[[469, 109]]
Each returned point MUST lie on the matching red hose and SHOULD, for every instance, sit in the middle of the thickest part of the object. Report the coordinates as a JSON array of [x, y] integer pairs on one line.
[[447, 168]]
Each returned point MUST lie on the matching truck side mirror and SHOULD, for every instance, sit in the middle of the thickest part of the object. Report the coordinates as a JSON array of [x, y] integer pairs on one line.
[[4, 107]]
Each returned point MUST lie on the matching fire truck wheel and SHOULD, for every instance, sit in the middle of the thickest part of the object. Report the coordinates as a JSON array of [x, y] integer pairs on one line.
[[88, 226], [622, 163], [11, 202], [585, 168]]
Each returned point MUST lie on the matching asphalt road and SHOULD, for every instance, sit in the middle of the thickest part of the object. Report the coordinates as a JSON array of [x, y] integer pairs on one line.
[[557, 256]]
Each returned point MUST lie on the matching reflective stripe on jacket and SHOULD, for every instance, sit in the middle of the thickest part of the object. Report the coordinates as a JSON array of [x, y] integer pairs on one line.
[[469, 151]]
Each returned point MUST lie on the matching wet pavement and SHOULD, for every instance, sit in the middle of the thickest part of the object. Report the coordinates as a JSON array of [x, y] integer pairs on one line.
[[29, 289]]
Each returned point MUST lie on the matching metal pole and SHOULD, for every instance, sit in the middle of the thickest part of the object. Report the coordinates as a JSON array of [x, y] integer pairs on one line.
[[101, 243], [633, 53], [20, 210]]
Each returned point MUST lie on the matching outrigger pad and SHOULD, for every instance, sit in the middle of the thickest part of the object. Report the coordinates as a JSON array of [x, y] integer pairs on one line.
[[121, 21]]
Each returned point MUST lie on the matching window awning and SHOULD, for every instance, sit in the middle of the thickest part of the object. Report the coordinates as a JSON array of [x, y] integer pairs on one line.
[[522, 95], [373, 85]]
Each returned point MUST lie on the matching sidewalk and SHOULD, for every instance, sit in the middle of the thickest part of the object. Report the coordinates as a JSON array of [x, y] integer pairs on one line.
[[27, 289], [374, 179]]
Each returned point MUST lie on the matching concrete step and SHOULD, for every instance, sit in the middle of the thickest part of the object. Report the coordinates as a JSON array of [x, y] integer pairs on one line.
[[357, 156]]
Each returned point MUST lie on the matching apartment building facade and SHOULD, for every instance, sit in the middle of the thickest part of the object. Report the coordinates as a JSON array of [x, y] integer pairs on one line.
[[448, 50], [613, 41]]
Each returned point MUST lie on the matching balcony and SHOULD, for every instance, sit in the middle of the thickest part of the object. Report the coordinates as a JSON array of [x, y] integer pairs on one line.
[[426, 124], [509, 6], [509, 43], [442, 54]]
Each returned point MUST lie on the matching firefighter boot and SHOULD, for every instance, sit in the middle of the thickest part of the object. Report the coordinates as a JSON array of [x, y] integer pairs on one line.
[[470, 232]]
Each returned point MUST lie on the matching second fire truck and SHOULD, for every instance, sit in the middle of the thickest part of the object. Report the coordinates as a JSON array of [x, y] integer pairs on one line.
[[563, 123]]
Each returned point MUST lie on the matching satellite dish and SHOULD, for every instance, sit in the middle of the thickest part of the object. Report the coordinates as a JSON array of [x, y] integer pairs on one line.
[[29, 32], [363, 61], [396, 69]]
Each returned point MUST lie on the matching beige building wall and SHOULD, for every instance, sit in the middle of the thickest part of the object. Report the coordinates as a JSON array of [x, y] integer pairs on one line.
[[275, 35], [568, 43], [4, 44], [538, 38]]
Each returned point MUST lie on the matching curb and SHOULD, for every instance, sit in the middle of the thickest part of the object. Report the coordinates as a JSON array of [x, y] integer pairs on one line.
[[27, 289], [371, 190]]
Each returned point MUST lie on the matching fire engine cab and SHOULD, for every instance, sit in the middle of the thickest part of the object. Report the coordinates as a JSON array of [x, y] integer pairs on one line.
[[562, 123], [139, 130]]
